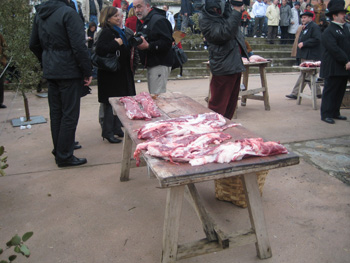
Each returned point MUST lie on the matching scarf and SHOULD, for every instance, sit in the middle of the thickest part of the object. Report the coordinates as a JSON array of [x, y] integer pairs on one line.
[[121, 34]]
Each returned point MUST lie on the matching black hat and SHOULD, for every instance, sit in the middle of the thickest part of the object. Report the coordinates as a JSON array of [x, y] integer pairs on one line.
[[307, 13], [297, 3], [335, 6]]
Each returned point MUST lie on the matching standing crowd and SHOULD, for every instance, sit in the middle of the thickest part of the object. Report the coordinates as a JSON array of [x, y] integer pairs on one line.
[[141, 33], [64, 50]]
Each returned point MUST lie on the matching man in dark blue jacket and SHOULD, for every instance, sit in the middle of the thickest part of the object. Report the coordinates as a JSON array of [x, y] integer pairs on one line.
[[186, 11], [335, 63], [309, 49], [155, 50], [58, 40]]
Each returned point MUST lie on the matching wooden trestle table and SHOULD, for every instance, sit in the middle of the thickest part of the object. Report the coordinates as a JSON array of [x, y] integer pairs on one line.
[[180, 179]]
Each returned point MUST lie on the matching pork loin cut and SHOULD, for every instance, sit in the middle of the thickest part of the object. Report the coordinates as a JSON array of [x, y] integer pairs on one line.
[[133, 110], [185, 125], [179, 148], [235, 151], [148, 104]]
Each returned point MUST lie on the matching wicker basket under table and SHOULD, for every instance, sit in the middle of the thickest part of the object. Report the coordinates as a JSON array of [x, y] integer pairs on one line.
[[231, 189]]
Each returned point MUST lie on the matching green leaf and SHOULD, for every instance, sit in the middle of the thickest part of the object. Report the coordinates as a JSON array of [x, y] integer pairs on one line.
[[12, 258], [1, 250], [26, 236], [25, 250], [2, 150], [3, 261], [17, 250], [15, 241]]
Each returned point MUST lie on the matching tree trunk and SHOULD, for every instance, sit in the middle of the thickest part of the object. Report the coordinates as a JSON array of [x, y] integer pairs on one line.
[[26, 106]]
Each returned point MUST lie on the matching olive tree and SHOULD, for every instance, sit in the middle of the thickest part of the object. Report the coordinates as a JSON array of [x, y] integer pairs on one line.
[[16, 18]]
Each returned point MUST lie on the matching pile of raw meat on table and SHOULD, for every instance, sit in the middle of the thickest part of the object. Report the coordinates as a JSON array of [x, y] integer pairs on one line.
[[197, 139], [310, 64]]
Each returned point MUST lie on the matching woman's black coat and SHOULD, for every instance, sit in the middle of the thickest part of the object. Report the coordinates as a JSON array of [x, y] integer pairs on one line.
[[114, 84]]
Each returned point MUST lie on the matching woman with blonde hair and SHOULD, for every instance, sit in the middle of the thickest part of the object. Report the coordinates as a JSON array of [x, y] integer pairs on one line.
[[131, 21], [111, 40]]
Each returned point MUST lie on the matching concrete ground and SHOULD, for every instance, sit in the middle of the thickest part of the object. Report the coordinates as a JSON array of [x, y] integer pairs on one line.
[[85, 214]]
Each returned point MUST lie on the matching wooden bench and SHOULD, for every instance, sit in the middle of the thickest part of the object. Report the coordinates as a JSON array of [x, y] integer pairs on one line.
[[180, 180]]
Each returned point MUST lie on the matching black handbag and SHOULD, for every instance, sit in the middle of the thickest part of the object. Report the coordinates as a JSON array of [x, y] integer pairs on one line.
[[179, 57], [107, 63]]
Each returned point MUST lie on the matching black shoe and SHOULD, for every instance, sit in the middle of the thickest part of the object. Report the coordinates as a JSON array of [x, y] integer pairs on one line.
[[340, 117], [120, 134], [77, 146], [2, 106], [319, 96], [73, 161], [76, 143], [328, 120], [112, 139], [291, 96]]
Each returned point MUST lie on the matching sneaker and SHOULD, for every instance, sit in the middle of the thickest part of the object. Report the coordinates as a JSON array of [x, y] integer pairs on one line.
[[179, 76], [262, 37], [254, 36]]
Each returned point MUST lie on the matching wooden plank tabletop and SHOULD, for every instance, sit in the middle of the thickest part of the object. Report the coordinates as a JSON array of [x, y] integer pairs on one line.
[[176, 104]]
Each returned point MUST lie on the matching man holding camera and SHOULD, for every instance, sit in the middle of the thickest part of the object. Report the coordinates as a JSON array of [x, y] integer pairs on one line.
[[220, 27], [155, 32]]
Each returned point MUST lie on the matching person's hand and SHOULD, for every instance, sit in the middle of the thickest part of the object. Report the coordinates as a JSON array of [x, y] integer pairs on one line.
[[347, 66], [144, 45], [185, 14], [87, 81], [292, 23], [300, 45], [119, 40], [90, 38]]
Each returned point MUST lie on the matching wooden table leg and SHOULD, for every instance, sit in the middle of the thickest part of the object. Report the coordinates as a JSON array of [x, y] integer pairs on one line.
[[125, 168], [313, 89], [193, 198], [245, 83], [256, 214], [171, 223], [264, 85], [301, 88]]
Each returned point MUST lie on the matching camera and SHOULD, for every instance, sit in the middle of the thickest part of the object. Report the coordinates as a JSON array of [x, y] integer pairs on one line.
[[136, 39]]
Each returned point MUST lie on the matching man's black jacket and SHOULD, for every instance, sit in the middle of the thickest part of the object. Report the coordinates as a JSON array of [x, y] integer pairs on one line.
[[311, 38], [58, 40], [336, 42], [158, 33]]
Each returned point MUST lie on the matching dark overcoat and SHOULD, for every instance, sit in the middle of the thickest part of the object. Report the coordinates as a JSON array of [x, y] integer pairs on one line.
[[114, 84], [336, 42], [311, 38]]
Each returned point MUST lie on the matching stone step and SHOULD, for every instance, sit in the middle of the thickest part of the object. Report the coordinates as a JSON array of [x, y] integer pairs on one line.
[[268, 47], [271, 54]]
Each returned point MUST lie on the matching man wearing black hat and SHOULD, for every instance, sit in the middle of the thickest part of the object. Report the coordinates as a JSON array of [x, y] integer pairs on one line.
[[309, 49], [335, 63]]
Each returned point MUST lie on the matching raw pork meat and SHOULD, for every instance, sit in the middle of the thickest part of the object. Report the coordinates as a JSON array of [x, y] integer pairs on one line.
[[147, 104], [189, 124], [256, 58], [133, 110], [179, 147], [235, 151], [309, 64]]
